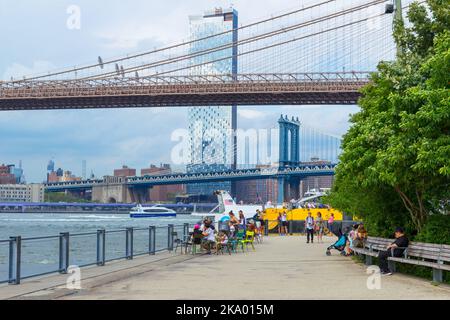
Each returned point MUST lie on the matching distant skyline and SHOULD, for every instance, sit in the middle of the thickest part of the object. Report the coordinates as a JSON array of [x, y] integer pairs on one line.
[[35, 39]]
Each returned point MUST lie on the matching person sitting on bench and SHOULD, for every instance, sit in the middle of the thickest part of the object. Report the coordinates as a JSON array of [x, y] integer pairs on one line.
[[395, 249]]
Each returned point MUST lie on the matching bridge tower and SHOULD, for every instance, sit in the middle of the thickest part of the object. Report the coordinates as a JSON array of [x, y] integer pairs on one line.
[[289, 156]]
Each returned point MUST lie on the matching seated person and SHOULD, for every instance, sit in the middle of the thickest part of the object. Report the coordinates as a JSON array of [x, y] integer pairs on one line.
[[232, 231], [251, 226], [222, 241], [360, 238], [395, 249], [209, 238], [351, 237], [197, 235]]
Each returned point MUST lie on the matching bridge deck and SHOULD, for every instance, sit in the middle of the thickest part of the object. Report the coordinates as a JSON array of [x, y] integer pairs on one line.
[[246, 89], [281, 268]]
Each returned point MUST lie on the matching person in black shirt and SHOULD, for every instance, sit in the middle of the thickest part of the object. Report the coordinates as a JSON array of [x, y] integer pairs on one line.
[[395, 249]]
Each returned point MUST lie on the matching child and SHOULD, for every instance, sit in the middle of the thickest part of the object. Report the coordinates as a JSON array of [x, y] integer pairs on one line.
[[222, 241]]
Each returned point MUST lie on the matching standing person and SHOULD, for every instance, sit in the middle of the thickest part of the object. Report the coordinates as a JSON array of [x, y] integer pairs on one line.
[[320, 226], [330, 222], [309, 227], [233, 222], [280, 225], [395, 249], [258, 219], [242, 220], [284, 223]]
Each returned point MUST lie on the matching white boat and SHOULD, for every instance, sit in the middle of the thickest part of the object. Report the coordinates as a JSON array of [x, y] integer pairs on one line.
[[151, 212], [227, 204]]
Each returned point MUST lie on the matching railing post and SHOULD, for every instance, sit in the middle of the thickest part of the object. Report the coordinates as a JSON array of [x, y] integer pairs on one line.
[[151, 240], [185, 231], [170, 237], [266, 227], [63, 252], [101, 247], [129, 243], [15, 246]]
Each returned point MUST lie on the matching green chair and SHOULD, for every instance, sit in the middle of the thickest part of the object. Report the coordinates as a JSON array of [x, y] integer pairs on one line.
[[237, 240], [249, 239], [196, 241]]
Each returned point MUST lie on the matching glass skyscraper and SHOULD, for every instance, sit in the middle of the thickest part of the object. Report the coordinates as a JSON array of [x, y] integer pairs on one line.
[[211, 129]]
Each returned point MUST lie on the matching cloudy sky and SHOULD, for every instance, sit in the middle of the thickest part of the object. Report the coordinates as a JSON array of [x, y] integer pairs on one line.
[[35, 39]]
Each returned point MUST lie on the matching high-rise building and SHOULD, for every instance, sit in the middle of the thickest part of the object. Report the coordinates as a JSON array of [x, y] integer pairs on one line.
[[211, 128], [83, 169]]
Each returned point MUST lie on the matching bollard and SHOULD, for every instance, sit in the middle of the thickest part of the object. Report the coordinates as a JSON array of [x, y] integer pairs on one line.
[[151, 240], [129, 243], [101, 247], [63, 252], [266, 227], [170, 229], [15, 246], [290, 227]]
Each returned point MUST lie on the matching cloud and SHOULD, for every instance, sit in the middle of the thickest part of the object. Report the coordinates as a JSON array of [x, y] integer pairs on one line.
[[251, 114], [37, 67]]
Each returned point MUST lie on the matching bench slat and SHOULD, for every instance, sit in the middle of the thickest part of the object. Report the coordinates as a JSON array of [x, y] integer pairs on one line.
[[422, 263]]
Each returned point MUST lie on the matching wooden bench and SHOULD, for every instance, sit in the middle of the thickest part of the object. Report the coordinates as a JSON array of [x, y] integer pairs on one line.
[[435, 256]]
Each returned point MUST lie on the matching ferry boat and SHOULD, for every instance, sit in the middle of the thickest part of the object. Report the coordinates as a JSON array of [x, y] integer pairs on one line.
[[151, 212]]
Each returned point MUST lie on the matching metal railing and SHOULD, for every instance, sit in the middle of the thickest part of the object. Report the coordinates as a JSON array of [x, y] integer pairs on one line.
[[22, 258], [298, 226], [295, 226]]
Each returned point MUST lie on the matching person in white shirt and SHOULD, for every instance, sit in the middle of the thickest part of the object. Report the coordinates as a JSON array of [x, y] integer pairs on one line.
[[209, 239], [309, 227], [284, 224]]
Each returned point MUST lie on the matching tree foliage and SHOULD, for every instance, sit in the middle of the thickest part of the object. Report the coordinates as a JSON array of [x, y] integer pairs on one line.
[[396, 155]]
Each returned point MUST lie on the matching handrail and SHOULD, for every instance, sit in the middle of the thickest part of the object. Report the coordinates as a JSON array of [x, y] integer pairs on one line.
[[151, 245]]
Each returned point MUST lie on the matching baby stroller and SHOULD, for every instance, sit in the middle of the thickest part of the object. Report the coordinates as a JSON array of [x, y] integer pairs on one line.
[[340, 244]]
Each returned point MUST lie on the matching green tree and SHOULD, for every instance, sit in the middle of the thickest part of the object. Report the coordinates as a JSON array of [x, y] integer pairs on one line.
[[399, 142]]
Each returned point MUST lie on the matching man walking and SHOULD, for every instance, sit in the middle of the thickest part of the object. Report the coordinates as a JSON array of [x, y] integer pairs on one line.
[[309, 227]]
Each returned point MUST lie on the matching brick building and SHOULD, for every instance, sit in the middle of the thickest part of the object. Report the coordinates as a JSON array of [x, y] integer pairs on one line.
[[125, 172], [164, 192], [6, 177]]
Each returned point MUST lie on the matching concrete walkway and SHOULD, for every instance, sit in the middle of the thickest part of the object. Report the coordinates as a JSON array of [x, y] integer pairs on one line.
[[280, 268]]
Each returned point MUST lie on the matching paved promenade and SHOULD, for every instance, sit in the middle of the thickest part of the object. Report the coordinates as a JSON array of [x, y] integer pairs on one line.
[[280, 268]]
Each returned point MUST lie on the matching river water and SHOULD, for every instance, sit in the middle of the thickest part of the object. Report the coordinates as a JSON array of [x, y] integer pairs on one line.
[[42, 255]]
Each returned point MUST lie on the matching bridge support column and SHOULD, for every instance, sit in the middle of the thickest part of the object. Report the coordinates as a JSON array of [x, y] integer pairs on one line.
[[139, 194], [280, 199], [294, 188]]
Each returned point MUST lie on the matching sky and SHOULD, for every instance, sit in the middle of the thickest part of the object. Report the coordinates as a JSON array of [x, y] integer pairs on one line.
[[35, 39]]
